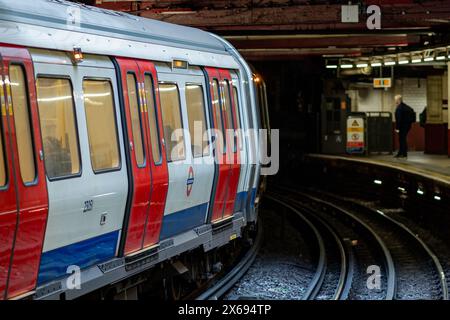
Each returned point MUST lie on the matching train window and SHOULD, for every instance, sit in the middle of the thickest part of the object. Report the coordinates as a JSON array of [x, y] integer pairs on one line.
[[22, 123], [171, 114], [227, 104], [236, 112], [136, 124], [101, 124], [217, 113], [152, 118], [58, 127], [197, 117]]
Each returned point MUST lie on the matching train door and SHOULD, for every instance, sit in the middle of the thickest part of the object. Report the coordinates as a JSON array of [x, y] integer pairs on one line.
[[141, 176], [226, 155], [241, 196], [230, 116], [8, 203], [221, 178], [157, 158], [24, 205]]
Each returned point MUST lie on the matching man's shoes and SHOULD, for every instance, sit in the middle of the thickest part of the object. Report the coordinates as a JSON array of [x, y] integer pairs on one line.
[[400, 156]]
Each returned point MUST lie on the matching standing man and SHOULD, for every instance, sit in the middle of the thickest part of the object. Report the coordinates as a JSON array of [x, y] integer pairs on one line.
[[404, 117]]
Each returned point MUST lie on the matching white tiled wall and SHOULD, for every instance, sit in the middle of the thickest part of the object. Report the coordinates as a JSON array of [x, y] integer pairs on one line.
[[413, 90]]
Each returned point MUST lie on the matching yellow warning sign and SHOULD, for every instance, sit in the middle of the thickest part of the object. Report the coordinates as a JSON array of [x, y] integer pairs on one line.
[[355, 135]]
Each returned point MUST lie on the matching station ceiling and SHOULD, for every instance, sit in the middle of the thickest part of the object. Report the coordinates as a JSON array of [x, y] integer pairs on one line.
[[293, 29]]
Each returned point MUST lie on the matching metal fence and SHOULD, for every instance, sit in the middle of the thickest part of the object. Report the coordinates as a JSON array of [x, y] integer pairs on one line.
[[379, 132]]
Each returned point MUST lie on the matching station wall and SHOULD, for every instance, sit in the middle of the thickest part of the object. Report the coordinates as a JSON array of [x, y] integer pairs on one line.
[[413, 90], [417, 93]]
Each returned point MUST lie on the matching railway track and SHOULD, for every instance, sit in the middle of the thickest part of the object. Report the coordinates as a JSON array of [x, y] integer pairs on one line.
[[418, 272], [224, 284], [360, 247], [358, 253], [278, 273], [418, 268], [329, 281]]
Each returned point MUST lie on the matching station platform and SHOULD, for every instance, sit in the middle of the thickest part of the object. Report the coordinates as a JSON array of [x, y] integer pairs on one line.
[[434, 167]]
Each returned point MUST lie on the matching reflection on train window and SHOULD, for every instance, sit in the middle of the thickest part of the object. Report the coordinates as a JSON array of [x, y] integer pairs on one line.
[[218, 113], [227, 104], [197, 117], [236, 112], [136, 124], [171, 115], [22, 123], [59, 134], [101, 124], [152, 119]]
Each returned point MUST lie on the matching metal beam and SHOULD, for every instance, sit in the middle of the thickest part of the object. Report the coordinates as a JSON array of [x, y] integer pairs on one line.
[[344, 41], [283, 15]]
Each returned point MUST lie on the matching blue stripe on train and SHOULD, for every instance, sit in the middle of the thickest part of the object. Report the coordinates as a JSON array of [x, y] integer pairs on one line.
[[241, 199], [253, 198], [83, 254], [184, 220]]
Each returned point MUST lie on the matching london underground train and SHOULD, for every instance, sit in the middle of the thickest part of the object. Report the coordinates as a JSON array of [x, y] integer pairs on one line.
[[96, 179]]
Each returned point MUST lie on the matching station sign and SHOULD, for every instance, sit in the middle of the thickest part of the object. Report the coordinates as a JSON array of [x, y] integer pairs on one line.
[[355, 135], [382, 83]]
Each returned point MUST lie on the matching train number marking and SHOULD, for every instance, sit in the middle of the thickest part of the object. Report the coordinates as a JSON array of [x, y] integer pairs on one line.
[[88, 206]]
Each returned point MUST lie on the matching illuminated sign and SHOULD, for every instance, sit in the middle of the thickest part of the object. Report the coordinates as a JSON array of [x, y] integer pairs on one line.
[[382, 82]]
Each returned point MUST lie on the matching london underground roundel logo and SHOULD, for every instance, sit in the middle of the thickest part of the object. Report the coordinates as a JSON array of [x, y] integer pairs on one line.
[[190, 181]]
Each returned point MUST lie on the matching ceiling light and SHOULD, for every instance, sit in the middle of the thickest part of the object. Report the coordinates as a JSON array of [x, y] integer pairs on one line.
[[346, 66], [332, 66], [362, 65], [403, 61], [177, 12], [376, 64], [389, 63], [417, 60], [428, 59]]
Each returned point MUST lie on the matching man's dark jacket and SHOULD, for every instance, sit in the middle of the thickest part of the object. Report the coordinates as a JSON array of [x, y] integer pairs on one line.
[[404, 117]]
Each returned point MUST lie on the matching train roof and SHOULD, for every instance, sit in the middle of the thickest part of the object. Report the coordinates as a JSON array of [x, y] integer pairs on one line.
[[63, 25]]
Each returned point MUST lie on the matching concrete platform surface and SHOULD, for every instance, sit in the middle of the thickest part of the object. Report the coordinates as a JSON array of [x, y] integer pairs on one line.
[[431, 166]]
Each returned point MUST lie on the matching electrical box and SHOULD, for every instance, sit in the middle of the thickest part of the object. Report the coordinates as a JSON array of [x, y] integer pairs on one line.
[[333, 124]]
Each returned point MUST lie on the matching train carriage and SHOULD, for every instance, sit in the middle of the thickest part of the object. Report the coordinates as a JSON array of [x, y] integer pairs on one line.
[[101, 165]]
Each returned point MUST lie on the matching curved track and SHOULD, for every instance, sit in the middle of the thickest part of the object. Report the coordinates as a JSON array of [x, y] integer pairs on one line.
[[359, 253], [418, 268], [418, 272], [362, 248]]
